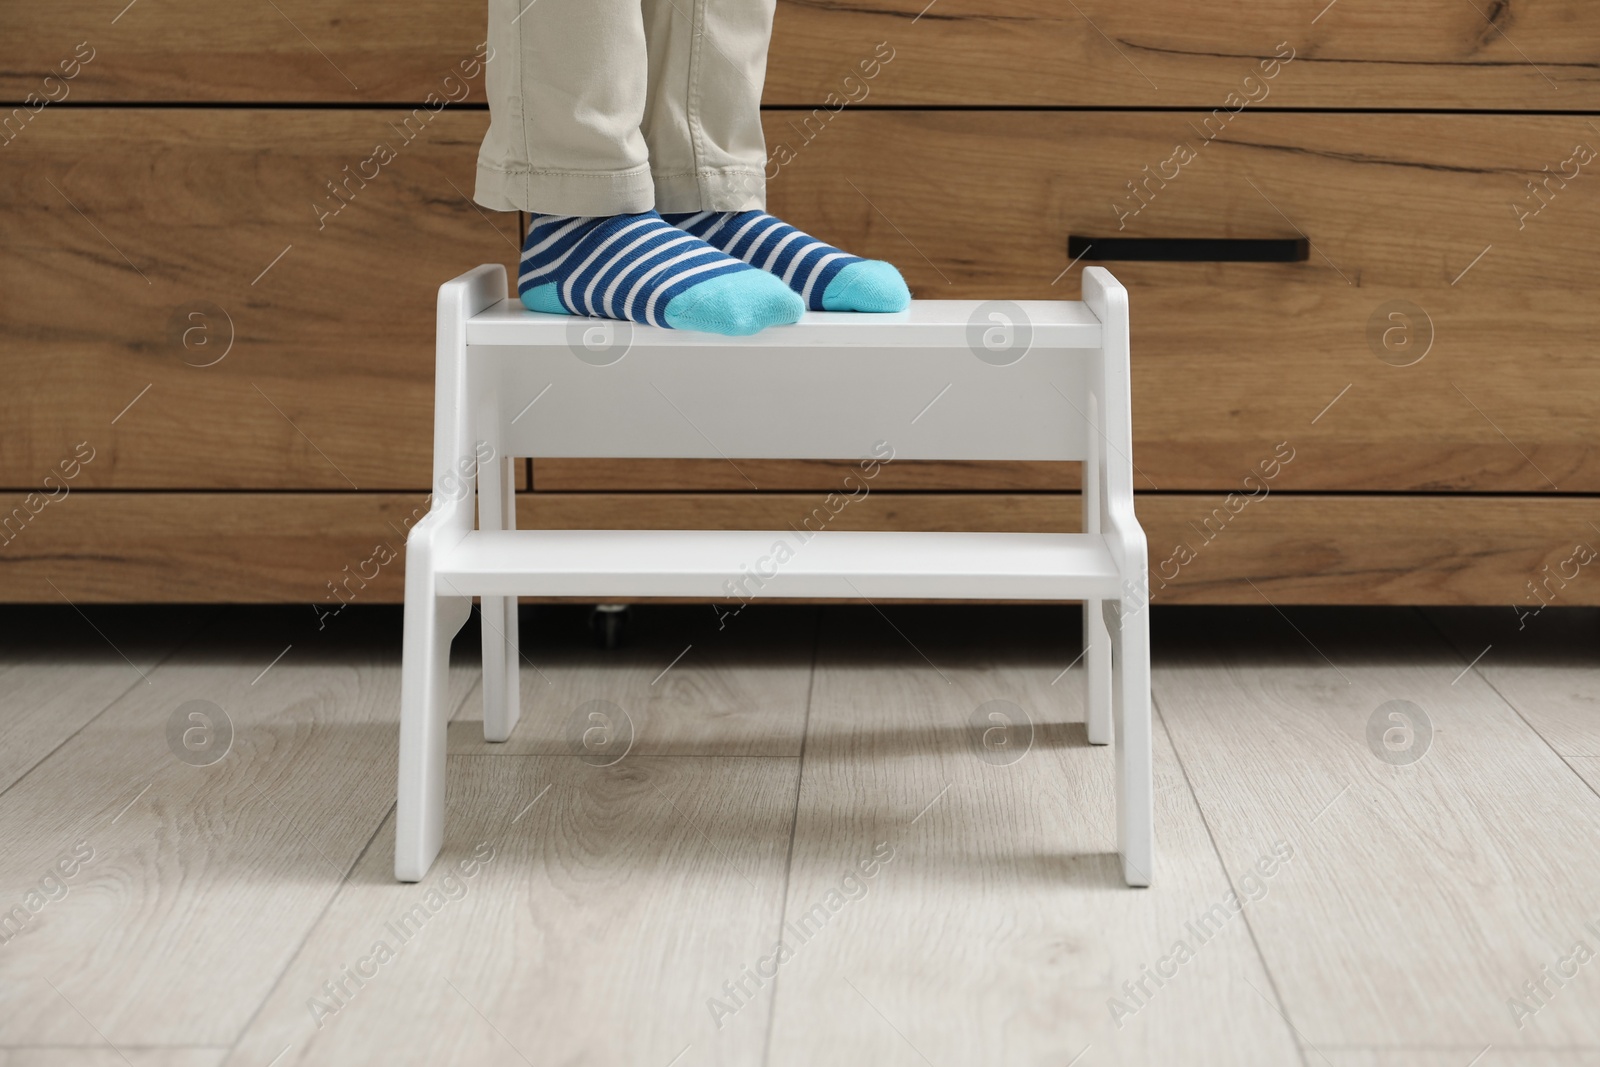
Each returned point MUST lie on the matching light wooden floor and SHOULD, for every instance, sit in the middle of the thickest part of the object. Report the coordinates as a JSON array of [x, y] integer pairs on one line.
[[243, 913]]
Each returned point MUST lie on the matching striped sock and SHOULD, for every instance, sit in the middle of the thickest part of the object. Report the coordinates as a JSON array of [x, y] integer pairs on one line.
[[637, 267], [826, 278]]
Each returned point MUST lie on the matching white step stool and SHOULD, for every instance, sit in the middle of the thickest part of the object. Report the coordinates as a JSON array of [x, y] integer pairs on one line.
[[946, 379]]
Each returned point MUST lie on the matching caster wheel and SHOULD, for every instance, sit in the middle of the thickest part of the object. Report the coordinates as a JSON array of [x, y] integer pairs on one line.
[[608, 621]]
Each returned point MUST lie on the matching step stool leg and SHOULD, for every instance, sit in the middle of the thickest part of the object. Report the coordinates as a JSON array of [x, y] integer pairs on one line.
[[502, 693], [502, 696], [1097, 674], [430, 623], [1129, 623]]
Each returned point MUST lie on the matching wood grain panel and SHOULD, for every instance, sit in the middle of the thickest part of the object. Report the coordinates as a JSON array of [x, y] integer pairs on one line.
[[1169, 53], [661, 475], [1231, 358], [1306, 549], [289, 50], [313, 548], [119, 224], [776, 511], [329, 382], [1360, 53]]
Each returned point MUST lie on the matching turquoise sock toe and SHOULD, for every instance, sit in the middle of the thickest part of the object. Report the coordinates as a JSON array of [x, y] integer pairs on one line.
[[544, 298], [735, 305], [869, 285], [826, 278]]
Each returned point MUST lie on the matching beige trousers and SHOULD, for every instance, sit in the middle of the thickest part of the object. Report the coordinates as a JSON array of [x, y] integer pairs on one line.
[[607, 107]]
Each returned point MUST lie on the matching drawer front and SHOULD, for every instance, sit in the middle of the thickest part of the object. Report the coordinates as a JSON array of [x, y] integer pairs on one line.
[[1537, 54], [1426, 248], [186, 295], [328, 384], [667, 475], [1178, 53], [329, 549]]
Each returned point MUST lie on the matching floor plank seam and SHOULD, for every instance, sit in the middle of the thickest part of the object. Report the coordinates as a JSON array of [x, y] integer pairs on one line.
[[311, 928], [178, 646], [1566, 760], [1396, 930], [333, 897], [794, 825], [1244, 913]]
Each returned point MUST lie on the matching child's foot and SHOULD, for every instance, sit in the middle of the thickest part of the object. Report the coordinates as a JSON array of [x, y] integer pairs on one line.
[[636, 267], [826, 278]]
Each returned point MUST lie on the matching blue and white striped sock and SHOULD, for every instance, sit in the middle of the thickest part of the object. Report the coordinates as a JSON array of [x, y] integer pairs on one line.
[[826, 278], [639, 268]]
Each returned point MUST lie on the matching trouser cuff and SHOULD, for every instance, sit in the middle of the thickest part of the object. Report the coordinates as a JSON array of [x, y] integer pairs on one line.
[[712, 189], [545, 192]]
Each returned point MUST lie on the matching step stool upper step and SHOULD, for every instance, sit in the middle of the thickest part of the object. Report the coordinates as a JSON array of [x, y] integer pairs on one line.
[[925, 324], [944, 379]]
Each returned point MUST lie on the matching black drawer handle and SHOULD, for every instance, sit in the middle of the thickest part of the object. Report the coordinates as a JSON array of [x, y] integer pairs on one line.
[[1191, 249]]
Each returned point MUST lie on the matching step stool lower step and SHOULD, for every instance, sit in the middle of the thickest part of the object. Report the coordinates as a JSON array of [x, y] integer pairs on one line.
[[760, 564]]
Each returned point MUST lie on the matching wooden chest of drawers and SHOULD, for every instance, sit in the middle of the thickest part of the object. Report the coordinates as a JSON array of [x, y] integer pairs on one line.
[[191, 304]]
